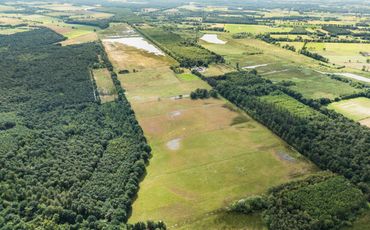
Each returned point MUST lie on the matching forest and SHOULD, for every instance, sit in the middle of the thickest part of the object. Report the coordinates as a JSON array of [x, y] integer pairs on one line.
[[66, 160], [321, 201]]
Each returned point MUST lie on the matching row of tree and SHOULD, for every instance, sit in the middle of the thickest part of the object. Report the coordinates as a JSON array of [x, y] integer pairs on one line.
[[331, 142]]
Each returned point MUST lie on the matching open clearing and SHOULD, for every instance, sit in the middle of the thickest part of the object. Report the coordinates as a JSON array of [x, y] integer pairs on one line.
[[357, 109], [195, 146], [106, 88]]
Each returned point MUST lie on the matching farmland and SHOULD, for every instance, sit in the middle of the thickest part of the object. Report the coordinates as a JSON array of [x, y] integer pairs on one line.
[[279, 65], [144, 115], [186, 137], [348, 55], [357, 109]]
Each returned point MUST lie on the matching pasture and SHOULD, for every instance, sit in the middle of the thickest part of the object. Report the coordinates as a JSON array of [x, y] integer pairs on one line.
[[278, 64], [197, 146], [342, 54], [196, 149], [357, 109], [217, 70], [106, 88], [254, 29]]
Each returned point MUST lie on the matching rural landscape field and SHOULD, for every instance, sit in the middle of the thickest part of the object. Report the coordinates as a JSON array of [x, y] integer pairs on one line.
[[177, 114]]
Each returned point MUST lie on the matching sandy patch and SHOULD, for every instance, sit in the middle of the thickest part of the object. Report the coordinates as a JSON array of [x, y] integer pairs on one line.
[[349, 75], [174, 144], [354, 76], [175, 114], [275, 71], [365, 122], [212, 38], [137, 42], [254, 66]]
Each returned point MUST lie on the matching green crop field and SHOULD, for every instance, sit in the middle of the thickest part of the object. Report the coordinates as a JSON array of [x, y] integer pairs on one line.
[[254, 29], [291, 105]]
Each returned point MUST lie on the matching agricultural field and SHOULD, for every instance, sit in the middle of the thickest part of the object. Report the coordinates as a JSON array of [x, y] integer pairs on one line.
[[357, 109], [56, 17], [254, 29], [186, 137], [217, 114], [292, 105], [279, 65], [348, 55]]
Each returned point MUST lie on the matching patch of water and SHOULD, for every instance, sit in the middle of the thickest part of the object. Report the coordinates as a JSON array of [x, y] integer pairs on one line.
[[174, 144], [285, 156]]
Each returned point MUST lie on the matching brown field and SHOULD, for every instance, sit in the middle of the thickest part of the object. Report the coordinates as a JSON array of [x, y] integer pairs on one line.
[[365, 122], [10, 20], [126, 57], [60, 29], [90, 37]]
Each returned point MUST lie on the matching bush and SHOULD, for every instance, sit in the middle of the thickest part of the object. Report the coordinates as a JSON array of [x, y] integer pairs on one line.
[[250, 205], [203, 94]]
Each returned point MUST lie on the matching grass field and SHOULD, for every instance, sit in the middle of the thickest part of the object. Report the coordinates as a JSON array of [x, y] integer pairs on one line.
[[277, 64], [217, 70], [75, 33], [9, 31], [343, 54], [106, 88], [197, 146], [357, 109], [254, 29]]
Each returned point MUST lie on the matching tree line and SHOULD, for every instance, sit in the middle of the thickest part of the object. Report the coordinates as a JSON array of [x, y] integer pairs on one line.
[[331, 142]]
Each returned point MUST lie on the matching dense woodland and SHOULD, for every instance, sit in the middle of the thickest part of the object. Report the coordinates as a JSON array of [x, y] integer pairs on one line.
[[322, 201], [333, 143], [65, 160], [318, 202]]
